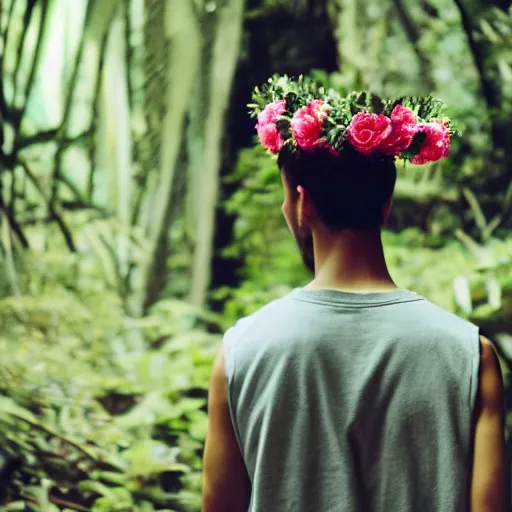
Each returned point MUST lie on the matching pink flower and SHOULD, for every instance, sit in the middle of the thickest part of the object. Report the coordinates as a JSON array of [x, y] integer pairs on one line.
[[399, 139], [307, 124], [367, 131], [270, 137], [320, 108], [436, 145], [403, 129], [272, 112], [403, 115], [268, 133]]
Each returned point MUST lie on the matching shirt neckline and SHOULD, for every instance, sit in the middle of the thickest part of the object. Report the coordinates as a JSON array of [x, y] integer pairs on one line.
[[332, 296]]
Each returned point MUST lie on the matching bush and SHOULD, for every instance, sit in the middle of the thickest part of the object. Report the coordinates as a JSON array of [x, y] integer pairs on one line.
[[99, 411]]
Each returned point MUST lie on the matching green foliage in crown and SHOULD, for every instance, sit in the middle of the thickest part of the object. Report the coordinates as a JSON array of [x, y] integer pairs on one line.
[[413, 128], [300, 92]]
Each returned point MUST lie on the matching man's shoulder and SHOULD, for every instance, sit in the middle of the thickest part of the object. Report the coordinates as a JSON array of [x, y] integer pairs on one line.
[[241, 337], [445, 330], [261, 315], [430, 311]]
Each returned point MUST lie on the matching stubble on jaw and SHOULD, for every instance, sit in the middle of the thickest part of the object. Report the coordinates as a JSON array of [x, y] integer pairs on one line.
[[304, 240]]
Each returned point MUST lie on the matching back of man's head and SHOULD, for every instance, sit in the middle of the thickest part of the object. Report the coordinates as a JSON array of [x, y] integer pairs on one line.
[[349, 190]]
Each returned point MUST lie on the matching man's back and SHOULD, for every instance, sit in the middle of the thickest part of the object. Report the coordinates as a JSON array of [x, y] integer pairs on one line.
[[339, 401], [352, 402]]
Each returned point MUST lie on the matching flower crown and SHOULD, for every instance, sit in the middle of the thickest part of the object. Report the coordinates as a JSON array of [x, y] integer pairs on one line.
[[302, 113]]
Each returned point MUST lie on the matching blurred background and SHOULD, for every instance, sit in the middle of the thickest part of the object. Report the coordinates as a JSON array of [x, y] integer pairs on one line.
[[139, 219]]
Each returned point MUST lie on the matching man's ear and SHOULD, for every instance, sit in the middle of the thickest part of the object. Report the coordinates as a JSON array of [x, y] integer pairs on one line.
[[306, 211], [386, 212]]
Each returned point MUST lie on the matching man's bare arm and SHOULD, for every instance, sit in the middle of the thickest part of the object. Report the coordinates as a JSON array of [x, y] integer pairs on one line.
[[226, 486], [489, 486]]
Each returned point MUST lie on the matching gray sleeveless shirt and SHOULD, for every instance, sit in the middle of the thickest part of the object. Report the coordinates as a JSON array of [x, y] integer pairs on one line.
[[348, 402]]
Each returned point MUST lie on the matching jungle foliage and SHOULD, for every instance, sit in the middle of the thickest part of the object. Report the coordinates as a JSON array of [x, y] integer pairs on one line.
[[139, 219]]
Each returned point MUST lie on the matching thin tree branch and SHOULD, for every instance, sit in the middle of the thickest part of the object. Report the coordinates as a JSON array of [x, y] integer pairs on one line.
[[80, 199], [12, 199], [27, 17], [478, 214], [7, 112], [95, 108], [14, 225], [52, 212], [489, 90], [57, 501], [57, 169], [413, 35], [66, 233], [35, 64], [37, 138], [68, 504], [52, 135], [39, 426]]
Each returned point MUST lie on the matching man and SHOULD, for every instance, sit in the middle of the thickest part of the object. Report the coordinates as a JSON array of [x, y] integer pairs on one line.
[[351, 394]]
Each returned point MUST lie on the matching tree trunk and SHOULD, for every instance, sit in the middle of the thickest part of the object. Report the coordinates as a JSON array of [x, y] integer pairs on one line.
[[349, 39], [184, 37], [115, 136], [413, 35], [219, 59], [495, 184], [359, 49]]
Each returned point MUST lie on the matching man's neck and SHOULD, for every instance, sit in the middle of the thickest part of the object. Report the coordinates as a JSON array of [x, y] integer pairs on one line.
[[352, 261]]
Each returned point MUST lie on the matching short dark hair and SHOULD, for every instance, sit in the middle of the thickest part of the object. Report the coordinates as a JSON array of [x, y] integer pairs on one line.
[[349, 190]]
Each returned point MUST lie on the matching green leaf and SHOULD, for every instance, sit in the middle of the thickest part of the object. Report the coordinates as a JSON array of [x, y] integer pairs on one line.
[[377, 104], [150, 457], [13, 506], [110, 477], [10, 407], [96, 487]]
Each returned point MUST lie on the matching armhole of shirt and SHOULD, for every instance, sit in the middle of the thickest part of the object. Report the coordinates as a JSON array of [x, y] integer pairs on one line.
[[228, 345], [473, 390], [475, 368], [229, 357]]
